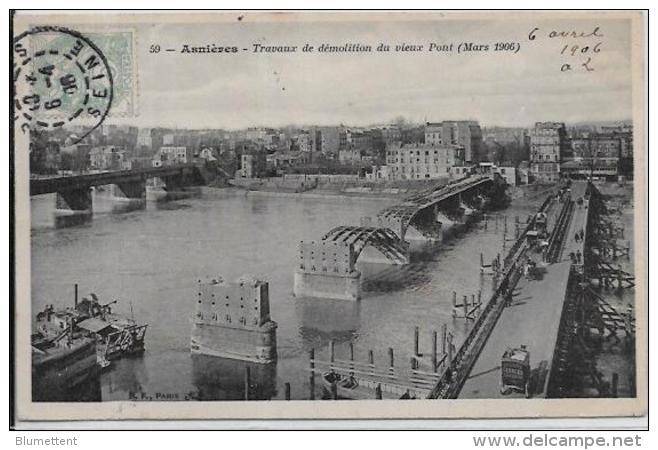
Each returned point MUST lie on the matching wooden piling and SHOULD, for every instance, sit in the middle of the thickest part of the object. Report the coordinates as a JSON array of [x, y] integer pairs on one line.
[[505, 224], [416, 339], [391, 362], [75, 295], [371, 360], [332, 351], [247, 382], [481, 260], [351, 357], [444, 336], [334, 390], [454, 299], [465, 305], [287, 390], [378, 391], [311, 355], [450, 347], [615, 383], [434, 345]]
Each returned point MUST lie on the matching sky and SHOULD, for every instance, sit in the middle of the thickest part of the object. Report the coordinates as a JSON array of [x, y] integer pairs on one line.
[[233, 91]]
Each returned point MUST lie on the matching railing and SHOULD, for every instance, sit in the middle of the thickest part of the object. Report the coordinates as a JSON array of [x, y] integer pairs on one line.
[[414, 382], [48, 185], [556, 239]]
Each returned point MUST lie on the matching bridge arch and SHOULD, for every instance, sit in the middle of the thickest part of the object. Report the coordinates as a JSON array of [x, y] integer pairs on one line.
[[388, 246]]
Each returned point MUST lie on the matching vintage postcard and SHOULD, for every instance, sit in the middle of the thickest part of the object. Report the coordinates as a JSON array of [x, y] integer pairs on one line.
[[263, 215]]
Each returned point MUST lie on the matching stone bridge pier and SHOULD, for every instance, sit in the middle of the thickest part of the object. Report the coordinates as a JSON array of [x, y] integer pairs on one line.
[[73, 207], [129, 196], [326, 269], [178, 187]]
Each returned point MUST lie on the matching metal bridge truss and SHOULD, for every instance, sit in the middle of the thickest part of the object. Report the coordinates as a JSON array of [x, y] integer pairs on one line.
[[383, 239], [406, 211]]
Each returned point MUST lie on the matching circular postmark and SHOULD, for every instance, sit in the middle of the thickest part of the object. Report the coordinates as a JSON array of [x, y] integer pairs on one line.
[[60, 77]]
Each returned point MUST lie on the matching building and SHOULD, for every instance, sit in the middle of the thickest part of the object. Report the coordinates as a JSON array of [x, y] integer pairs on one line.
[[459, 171], [45, 156], [144, 138], [547, 142], [256, 134], [423, 161], [170, 155], [327, 140], [344, 138], [379, 173], [207, 154], [168, 139], [464, 133], [506, 172], [252, 165], [362, 140], [284, 160], [594, 155], [108, 157], [434, 133], [141, 162], [305, 142], [391, 134], [349, 155], [523, 172]]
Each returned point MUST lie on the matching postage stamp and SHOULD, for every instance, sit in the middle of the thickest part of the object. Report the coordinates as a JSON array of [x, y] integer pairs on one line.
[[60, 77], [118, 46]]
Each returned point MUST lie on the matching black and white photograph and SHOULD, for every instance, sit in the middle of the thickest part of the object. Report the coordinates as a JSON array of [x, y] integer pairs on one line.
[[320, 214]]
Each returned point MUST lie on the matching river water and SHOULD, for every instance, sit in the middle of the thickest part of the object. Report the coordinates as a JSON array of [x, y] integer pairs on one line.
[[151, 260]]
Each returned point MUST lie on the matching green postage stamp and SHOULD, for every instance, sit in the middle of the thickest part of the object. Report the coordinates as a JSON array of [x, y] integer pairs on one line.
[[118, 47]]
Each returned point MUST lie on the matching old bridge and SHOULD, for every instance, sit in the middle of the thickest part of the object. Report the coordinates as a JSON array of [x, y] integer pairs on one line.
[[74, 198], [327, 267]]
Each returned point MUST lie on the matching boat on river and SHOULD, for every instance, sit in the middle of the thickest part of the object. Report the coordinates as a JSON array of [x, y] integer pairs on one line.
[[116, 335], [64, 367]]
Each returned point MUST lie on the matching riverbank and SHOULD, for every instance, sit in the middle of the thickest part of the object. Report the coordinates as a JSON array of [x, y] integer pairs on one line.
[[310, 194]]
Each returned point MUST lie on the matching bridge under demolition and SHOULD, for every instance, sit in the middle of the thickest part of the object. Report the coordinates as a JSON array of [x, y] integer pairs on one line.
[[420, 216], [327, 267]]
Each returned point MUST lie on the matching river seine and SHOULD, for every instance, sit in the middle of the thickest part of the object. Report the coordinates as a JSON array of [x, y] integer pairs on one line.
[[150, 262]]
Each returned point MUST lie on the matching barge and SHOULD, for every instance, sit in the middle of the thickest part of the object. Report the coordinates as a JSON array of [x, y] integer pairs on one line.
[[64, 367], [116, 335]]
